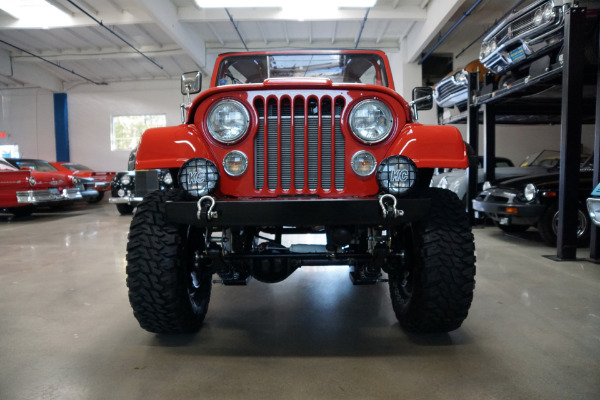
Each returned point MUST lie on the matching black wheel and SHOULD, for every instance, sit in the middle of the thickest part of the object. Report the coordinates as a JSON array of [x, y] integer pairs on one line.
[[513, 228], [548, 225], [125, 209], [434, 290], [169, 287], [96, 199], [24, 211]]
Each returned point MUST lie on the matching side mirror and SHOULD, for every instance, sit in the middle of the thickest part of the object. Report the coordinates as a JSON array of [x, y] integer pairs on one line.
[[422, 98], [191, 83]]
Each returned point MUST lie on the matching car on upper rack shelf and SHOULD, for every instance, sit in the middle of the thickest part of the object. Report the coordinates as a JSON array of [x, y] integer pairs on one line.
[[102, 180], [288, 144], [529, 42], [519, 203], [21, 191], [84, 185], [453, 89]]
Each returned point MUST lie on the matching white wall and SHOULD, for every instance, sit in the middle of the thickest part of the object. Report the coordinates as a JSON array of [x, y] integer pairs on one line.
[[28, 118]]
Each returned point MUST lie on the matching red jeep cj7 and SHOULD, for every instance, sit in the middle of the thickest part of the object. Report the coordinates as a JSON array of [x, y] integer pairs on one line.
[[299, 142]]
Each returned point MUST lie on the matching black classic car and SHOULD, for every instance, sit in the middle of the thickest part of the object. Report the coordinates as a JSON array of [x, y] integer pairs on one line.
[[123, 192], [517, 204]]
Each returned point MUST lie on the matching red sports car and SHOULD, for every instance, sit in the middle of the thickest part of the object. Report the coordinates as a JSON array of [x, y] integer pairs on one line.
[[84, 185], [22, 190], [102, 180]]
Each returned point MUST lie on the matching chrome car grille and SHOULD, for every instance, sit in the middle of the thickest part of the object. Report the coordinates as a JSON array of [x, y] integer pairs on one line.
[[299, 148]]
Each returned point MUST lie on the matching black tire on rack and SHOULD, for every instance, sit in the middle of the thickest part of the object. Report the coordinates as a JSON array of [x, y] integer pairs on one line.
[[433, 291], [125, 209], [169, 287]]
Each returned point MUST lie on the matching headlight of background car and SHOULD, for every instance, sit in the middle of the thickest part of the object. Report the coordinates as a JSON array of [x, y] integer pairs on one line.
[[544, 14], [530, 192], [166, 179], [371, 121], [461, 77], [125, 180], [228, 121]]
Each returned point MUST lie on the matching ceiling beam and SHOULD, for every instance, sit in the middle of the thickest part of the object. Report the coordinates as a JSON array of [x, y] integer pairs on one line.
[[165, 15], [193, 14], [439, 13], [35, 75]]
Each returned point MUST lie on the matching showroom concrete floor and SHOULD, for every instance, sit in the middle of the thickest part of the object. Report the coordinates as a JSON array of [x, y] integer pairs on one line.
[[67, 331]]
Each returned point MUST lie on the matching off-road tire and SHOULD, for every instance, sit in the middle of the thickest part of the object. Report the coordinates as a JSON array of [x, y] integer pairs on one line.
[[547, 225], [434, 291], [125, 209], [167, 293]]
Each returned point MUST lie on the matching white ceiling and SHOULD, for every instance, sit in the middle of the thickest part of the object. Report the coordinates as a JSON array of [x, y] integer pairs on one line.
[[174, 36]]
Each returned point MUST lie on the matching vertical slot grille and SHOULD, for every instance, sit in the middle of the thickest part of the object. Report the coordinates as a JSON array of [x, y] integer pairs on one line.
[[302, 148]]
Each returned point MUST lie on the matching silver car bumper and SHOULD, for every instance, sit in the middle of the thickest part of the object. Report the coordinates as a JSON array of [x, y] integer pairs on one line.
[[48, 196], [125, 200]]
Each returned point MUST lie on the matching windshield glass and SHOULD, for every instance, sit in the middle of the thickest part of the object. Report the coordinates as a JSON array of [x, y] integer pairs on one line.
[[76, 167], [37, 165], [348, 68], [548, 159]]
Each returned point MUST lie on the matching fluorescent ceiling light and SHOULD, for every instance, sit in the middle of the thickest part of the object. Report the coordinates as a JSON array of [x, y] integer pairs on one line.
[[283, 4], [35, 13]]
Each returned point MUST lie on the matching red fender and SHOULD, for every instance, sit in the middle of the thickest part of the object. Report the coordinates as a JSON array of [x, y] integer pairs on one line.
[[431, 146], [170, 147]]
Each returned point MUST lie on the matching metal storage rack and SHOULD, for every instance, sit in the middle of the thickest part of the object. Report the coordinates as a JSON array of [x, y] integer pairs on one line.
[[556, 95]]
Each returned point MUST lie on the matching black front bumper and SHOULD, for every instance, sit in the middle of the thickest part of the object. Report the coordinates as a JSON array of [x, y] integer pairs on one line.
[[297, 212]]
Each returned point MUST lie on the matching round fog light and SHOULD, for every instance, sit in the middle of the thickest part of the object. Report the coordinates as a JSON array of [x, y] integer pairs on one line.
[[125, 180], [396, 174], [198, 176], [235, 163], [363, 163]]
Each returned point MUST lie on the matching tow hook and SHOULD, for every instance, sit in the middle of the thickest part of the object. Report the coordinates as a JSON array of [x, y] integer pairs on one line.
[[210, 214], [389, 209]]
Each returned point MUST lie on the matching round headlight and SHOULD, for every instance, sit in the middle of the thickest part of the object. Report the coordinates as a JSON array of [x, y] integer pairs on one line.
[[538, 18], [198, 176], [548, 12], [396, 174], [32, 181], [487, 185], [125, 180], [363, 163], [167, 178], [235, 163], [228, 121], [371, 121], [530, 192], [461, 77]]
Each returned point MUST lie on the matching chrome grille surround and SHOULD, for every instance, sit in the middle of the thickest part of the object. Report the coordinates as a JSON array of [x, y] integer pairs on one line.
[[299, 148]]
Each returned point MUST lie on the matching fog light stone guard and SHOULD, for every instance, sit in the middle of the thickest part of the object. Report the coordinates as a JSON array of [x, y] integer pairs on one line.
[[396, 174], [198, 176]]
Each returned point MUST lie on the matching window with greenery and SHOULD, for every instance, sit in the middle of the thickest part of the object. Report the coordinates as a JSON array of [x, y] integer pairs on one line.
[[127, 129]]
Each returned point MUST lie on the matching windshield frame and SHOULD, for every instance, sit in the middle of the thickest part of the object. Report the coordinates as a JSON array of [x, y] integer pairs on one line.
[[382, 70]]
